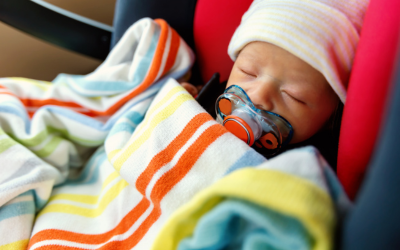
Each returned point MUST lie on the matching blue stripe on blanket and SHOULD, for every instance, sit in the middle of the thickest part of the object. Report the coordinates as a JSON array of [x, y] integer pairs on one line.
[[18, 208], [15, 109], [83, 119], [77, 117], [113, 87], [107, 87], [24, 169], [239, 224], [91, 170], [37, 174], [93, 123], [134, 117], [150, 93], [249, 159], [88, 121], [145, 63], [39, 202]]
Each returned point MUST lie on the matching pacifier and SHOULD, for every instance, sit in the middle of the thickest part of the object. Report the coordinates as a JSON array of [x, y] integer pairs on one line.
[[265, 131]]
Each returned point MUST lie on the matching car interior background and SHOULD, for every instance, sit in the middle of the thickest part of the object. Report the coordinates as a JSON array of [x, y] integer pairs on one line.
[[368, 157]]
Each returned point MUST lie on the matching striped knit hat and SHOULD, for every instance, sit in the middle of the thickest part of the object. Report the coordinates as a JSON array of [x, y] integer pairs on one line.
[[323, 33]]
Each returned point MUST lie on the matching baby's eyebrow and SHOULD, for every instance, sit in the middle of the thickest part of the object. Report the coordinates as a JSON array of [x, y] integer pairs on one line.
[[299, 77], [297, 88], [247, 55]]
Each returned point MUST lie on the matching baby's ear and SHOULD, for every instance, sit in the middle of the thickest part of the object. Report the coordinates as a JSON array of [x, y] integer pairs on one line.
[[334, 122], [190, 88]]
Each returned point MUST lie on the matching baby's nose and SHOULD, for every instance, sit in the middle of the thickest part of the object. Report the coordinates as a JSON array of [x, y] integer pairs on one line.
[[262, 95]]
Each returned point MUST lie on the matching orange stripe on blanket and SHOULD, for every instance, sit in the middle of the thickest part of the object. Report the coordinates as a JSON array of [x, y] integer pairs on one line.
[[167, 182], [189, 129], [161, 188], [122, 227], [173, 50], [149, 79], [36, 104], [8, 93], [39, 103], [154, 69], [169, 152]]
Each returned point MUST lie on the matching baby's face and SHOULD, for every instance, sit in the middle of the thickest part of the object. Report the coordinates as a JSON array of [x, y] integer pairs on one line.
[[277, 81]]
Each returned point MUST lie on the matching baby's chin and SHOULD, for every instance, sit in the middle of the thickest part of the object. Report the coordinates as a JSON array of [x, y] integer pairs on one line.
[[299, 138]]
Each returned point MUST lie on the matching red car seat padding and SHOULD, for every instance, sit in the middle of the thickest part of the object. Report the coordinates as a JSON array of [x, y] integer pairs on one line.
[[369, 83], [213, 26]]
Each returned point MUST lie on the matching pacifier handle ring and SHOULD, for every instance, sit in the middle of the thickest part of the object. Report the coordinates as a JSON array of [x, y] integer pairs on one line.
[[230, 122]]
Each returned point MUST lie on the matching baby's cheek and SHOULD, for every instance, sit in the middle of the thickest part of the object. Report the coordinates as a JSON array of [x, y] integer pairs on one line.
[[304, 127]]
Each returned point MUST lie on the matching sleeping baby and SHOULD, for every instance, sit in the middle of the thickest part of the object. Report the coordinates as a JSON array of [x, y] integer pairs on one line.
[[292, 65]]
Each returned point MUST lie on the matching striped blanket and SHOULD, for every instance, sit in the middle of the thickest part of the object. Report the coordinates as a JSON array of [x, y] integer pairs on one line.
[[125, 158]]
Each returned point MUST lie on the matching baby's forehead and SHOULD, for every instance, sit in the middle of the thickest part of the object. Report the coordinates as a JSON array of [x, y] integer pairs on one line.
[[248, 55], [265, 54], [265, 50], [257, 48], [268, 60]]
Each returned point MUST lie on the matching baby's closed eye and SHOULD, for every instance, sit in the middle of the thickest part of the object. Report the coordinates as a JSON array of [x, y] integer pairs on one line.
[[248, 72], [293, 97]]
